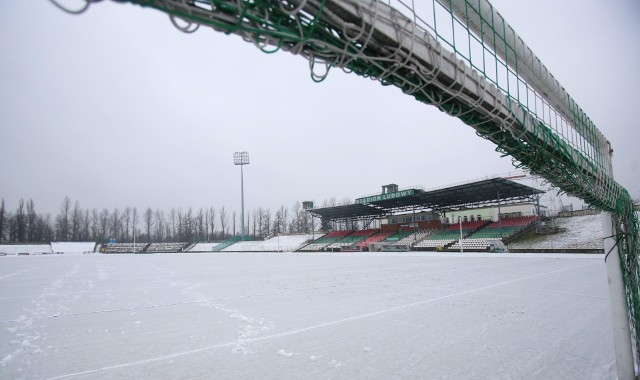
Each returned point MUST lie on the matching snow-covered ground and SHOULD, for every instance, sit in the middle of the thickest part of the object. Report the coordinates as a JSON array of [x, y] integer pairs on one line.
[[312, 316], [203, 247], [280, 243], [577, 232], [73, 247], [32, 249]]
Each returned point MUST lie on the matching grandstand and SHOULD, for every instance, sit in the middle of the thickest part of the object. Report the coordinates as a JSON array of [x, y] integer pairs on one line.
[[398, 236], [455, 231], [142, 247], [352, 239], [165, 247], [482, 244], [322, 242], [434, 244], [505, 228], [401, 241], [278, 243], [124, 247], [377, 237], [416, 237], [482, 206]]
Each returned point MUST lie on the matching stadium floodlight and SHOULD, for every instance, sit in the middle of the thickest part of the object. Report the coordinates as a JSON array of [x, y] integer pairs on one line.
[[241, 158]]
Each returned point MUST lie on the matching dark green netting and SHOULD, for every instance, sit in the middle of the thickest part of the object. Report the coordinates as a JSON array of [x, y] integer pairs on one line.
[[325, 34]]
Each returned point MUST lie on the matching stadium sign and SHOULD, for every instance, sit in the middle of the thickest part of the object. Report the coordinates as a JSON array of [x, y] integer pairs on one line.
[[384, 197]]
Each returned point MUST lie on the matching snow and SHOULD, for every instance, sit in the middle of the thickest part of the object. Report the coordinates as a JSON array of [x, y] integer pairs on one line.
[[317, 316], [57, 247], [203, 247], [281, 243], [73, 247], [577, 232], [15, 249]]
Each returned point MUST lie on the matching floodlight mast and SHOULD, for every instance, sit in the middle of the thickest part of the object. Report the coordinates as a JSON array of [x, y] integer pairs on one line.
[[241, 158]]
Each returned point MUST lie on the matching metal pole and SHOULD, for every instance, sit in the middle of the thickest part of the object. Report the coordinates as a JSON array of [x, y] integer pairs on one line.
[[241, 158], [461, 249], [242, 202], [618, 302], [499, 218]]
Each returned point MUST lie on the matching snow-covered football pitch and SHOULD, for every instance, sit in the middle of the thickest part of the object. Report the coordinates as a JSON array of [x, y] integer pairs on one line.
[[305, 316]]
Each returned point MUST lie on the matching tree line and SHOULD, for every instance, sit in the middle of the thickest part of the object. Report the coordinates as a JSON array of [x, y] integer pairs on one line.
[[73, 223]]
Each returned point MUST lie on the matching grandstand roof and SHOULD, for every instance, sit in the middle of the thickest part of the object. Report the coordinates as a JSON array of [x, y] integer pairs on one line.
[[469, 195], [352, 211]]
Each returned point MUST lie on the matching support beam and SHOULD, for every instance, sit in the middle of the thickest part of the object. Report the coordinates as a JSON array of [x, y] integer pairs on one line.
[[483, 19], [618, 301]]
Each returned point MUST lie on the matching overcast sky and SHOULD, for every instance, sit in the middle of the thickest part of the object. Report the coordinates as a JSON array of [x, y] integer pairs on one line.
[[117, 108]]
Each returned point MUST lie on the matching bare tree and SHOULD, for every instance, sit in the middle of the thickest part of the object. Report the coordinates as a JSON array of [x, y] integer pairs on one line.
[[260, 221], [172, 218], [234, 223], [116, 224], [104, 223], [277, 222], [160, 221], [202, 225], [224, 221], [95, 226], [212, 221], [86, 223], [206, 225], [21, 222], [167, 231], [180, 225], [296, 222], [266, 223], [329, 203], [254, 222], [62, 222], [134, 222], [148, 220], [126, 220], [2, 220], [32, 219], [45, 232], [285, 218], [76, 222], [189, 222]]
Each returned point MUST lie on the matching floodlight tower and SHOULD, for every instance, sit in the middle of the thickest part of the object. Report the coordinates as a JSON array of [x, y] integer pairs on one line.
[[241, 158]]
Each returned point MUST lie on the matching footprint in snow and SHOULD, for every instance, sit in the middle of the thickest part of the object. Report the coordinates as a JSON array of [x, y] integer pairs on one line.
[[286, 354]]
